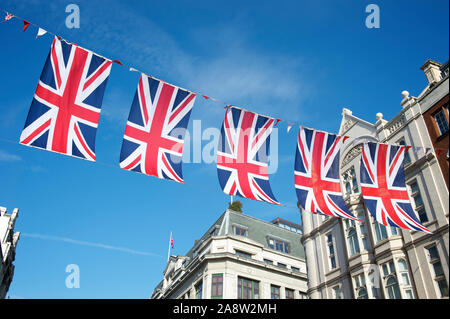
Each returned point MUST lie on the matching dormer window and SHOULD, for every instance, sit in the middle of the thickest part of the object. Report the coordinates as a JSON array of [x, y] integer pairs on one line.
[[240, 230], [279, 245]]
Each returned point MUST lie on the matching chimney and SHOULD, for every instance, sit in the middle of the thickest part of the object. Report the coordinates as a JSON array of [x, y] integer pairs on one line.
[[432, 71]]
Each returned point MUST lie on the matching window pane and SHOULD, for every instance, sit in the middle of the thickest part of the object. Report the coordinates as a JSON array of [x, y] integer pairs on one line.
[[348, 188], [217, 286], [274, 292], [394, 230], [385, 270], [355, 186], [402, 265], [383, 231], [239, 288], [362, 293], [391, 267], [422, 215], [286, 248], [289, 293], [333, 262], [330, 238], [393, 289], [441, 122], [438, 270], [405, 279], [353, 241], [408, 294], [198, 291], [414, 187], [433, 252], [418, 200], [443, 287]]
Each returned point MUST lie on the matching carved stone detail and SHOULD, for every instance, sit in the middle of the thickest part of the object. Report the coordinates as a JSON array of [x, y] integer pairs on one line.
[[351, 155]]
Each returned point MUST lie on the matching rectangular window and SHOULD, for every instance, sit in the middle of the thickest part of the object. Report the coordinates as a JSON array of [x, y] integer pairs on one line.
[[267, 261], [274, 292], [217, 286], [302, 295], [350, 181], [394, 230], [199, 290], [418, 202], [409, 294], [295, 269], [243, 254], [385, 270], [247, 288], [391, 267], [279, 245], [337, 292], [439, 275], [380, 231], [362, 228], [240, 231], [281, 265], [441, 122], [289, 293]]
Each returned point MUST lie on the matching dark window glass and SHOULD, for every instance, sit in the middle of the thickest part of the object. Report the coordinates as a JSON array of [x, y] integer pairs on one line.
[[274, 292]]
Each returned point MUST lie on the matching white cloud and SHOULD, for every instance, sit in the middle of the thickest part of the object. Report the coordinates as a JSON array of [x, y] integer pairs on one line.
[[86, 243], [7, 157]]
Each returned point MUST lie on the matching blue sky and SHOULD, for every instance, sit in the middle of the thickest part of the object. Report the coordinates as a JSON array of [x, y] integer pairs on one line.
[[298, 60]]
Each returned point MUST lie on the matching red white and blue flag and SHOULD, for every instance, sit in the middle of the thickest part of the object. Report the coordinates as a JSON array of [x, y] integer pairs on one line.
[[317, 178], [383, 186], [154, 135], [65, 111], [242, 155]]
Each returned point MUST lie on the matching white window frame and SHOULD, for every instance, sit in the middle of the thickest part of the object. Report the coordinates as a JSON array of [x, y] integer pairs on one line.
[[437, 121]]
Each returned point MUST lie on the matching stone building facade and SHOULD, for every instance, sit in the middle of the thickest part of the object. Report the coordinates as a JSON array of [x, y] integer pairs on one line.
[[347, 259]]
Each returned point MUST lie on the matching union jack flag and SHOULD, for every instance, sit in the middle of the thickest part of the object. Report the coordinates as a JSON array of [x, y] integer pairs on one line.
[[154, 135], [317, 178], [65, 110], [242, 160], [383, 186]]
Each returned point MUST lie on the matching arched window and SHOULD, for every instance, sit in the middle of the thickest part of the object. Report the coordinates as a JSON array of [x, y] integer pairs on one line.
[[352, 238], [392, 288]]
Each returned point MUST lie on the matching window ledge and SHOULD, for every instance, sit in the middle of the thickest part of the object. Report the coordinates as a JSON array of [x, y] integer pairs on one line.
[[442, 137]]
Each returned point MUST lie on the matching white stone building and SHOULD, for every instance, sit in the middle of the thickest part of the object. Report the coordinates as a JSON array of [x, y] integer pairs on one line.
[[348, 259], [239, 257], [8, 241]]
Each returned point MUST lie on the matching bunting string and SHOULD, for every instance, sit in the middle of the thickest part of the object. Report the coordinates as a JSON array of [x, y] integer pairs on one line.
[[290, 124]]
